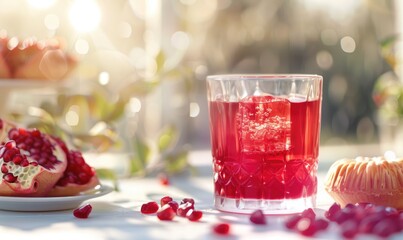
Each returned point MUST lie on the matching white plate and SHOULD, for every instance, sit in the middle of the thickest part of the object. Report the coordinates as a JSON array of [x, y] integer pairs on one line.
[[39, 204]]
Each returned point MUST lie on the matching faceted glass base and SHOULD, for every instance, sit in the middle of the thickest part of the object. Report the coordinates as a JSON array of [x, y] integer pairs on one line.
[[268, 206]]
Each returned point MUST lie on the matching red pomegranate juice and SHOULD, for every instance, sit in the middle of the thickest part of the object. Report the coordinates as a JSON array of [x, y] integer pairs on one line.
[[265, 147]]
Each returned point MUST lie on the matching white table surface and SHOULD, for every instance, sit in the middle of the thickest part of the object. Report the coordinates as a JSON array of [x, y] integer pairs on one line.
[[117, 215]]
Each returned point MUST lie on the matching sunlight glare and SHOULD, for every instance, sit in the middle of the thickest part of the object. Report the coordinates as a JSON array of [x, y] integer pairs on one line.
[[41, 4], [85, 15]]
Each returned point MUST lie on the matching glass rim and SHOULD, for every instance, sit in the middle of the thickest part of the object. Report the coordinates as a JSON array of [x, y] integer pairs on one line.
[[233, 77]]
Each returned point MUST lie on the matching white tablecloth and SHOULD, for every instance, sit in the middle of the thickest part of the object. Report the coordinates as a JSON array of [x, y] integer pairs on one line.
[[117, 215]]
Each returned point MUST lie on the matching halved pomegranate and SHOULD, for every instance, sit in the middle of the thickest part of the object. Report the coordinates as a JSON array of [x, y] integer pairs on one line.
[[31, 163], [69, 173], [78, 177]]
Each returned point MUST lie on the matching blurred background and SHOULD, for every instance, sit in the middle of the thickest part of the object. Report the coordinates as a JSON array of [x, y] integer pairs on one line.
[[138, 85]]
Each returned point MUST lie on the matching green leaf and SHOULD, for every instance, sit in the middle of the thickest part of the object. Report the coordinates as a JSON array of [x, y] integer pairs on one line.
[[160, 60], [44, 127], [141, 155], [108, 174], [116, 112], [389, 41], [101, 142], [137, 89], [176, 163], [167, 138]]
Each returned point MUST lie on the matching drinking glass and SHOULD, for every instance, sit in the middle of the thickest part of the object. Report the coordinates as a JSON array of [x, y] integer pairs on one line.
[[265, 133]]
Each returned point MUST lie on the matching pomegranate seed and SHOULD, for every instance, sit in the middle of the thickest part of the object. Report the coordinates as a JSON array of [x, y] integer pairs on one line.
[[24, 163], [194, 215], [292, 221], [7, 156], [17, 159], [321, 224], [9, 177], [164, 180], [4, 168], [36, 133], [344, 215], [166, 213], [10, 145], [306, 227], [83, 211], [188, 200], [165, 200], [308, 213], [221, 228], [333, 210], [174, 205], [349, 228], [257, 217], [386, 227], [184, 208], [367, 224], [149, 208]]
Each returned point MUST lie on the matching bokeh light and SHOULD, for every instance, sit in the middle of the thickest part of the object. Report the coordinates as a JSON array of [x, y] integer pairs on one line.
[[194, 109], [347, 44], [81, 46], [180, 40], [324, 60], [52, 22], [134, 105], [125, 30], [72, 116], [104, 78], [85, 15]]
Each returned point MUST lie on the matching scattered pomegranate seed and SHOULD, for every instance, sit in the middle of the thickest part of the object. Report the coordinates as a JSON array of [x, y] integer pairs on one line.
[[308, 213], [166, 213], [257, 217], [149, 208], [187, 200], [221, 228], [174, 205], [291, 222], [165, 200], [365, 218], [321, 224], [164, 180], [306, 227], [83, 211], [184, 208], [349, 228], [306, 223], [332, 211], [194, 215]]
